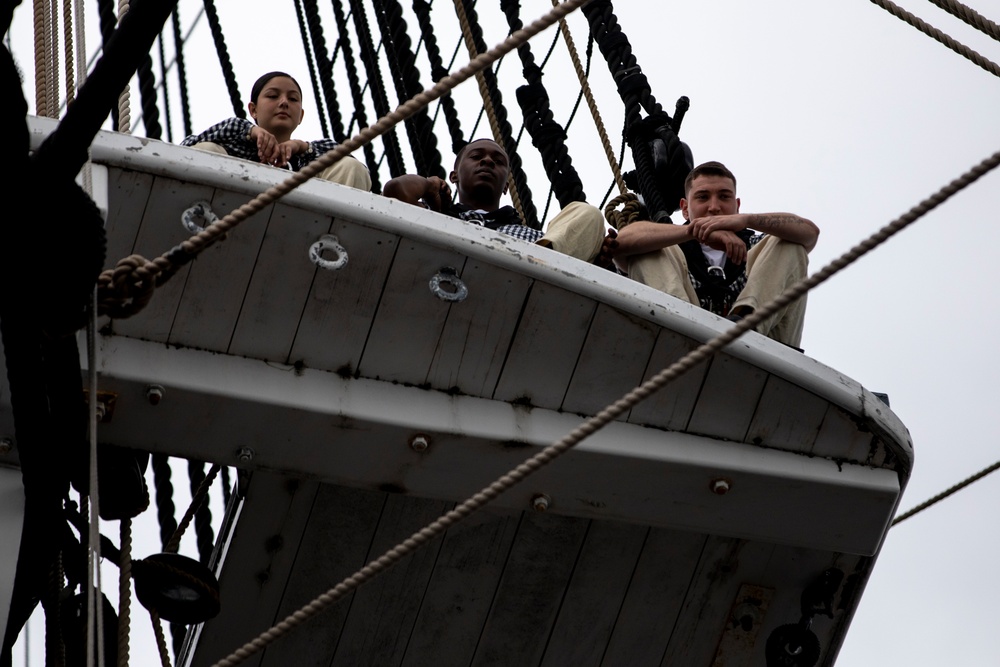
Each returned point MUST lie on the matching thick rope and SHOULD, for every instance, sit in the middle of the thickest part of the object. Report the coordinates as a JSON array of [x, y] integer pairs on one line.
[[491, 113], [161, 641], [602, 418], [41, 75], [970, 16], [125, 289], [581, 75], [196, 500], [933, 32], [212, 14], [204, 534], [124, 113], [124, 589], [69, 56], [181, 72], [52, 48], [356, 94], [944, 494], [423, 11]]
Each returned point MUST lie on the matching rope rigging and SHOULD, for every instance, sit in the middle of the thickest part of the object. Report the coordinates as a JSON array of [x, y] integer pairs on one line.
[[423, 11], [406, 77], [325, 67], [175, 21], [224, 60], [369, 59], [520, 193], [547, 135], [970, 16], [355, 85], [311, 58]]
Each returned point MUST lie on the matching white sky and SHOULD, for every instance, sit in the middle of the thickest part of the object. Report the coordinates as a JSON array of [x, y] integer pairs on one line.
[[841, 113]]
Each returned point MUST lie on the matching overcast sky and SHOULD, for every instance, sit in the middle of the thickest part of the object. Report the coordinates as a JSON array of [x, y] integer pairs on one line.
[[841, 113]]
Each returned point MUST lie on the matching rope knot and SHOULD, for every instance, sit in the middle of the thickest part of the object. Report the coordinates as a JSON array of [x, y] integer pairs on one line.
[[126, 289], [631, 210]]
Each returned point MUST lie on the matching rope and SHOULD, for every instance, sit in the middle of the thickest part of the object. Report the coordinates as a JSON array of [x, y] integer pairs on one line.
[[203, 516], [631, 211], [161, 641], [933, 32], [356, 95], [181, 72], [123, 290], [224, 60], [124, 589], [547, 135], [41, 74], [944, 494], [406, 78], [52, 48], [68, 47], [517, 186], [311, 21], [197, 498], [147, 94], [423, 11], [369, 58], [970, 16], [602, 418], [166, 93], [124, 115], [598, 121]]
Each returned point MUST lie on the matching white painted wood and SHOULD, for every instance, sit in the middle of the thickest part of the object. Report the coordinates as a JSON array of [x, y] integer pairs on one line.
[[161, 230], [341, 304], [787, 417], [614, 356], [542, 357], [410, 318], [671, 406], [476, 338], [728, 398], [217, 283], [279, 287]]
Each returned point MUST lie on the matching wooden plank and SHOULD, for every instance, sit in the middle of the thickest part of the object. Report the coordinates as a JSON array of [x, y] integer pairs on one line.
[[341, 304], [725, 565], [410, 318], [614, 357], [335, 545], [546, 347], [217, 284], [279, 286], [477, 334], [728, 399], [531, 590], [595, 595], [787, 417], [128, 192], [160, 231], [840, 437], [383, 611], [260, 559], [655, 595], [671, 406], [461, 590]]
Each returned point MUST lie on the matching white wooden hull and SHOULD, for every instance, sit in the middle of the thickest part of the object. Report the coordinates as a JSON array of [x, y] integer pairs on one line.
[[321, 379]]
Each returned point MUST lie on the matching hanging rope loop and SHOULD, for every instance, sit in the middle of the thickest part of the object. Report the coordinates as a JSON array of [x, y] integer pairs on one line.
[[632, 210], [126, 289]]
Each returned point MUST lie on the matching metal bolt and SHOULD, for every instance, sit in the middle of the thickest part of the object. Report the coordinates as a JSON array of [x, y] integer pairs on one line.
[[540, 502], [100, 411], [720, 486], [6, 444], [245, 455], [419, 443], [154, 394]]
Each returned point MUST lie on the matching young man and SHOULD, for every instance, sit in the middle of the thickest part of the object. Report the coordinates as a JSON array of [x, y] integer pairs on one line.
[[480, 174], [716, 261]]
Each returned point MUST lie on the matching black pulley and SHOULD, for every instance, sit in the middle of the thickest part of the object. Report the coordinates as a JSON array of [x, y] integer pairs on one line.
[[178, 588], [792, 646], [73, 619]]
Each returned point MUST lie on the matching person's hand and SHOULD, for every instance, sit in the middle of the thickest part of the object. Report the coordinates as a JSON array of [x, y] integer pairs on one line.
[[609, 247], [702, 228], [268, 151], [733, 245], [287, 149], [436, 192]]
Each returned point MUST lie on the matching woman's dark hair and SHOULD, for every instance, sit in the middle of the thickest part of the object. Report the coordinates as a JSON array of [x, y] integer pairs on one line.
[[262, 81]]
